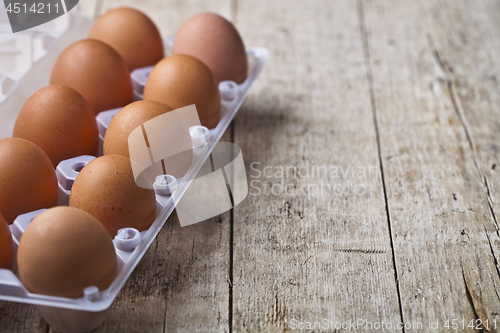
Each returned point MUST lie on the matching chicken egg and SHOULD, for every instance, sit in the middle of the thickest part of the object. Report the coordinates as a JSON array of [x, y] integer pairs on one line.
[[106, 189], [215, 41], [6, 250], [65, 250], [27, 178], [172, 137], [181, 80], [132, 34], [60, 121], [96, 71], [128, 119]]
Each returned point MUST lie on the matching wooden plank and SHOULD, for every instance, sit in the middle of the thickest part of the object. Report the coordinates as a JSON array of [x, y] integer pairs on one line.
[[20, 318], [302, 255], [467, 49], [465, 42], [438, 203]]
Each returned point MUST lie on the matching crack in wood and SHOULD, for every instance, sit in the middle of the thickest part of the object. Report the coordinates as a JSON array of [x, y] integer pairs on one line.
[[366, 52], [165, 319], [478, 308], [46, 325], [278, 316], [495, 260], [365, 251], [231, 236], [498, 295], [451, 86], [469, 297]]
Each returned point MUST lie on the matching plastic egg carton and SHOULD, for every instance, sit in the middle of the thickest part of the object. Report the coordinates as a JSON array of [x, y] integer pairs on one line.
[[27, 58], [88, 312]]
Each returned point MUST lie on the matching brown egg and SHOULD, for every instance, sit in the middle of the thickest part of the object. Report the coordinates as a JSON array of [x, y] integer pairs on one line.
[[174, 137], [214, 40], [96, 71], [132, 34], [60, 121], [27, 178], [105, 188], [128, 119], [181, 80], [63, 251], [6, 250]]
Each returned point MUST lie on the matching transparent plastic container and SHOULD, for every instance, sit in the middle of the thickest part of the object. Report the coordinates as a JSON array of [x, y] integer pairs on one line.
[[88, 312], [27, 58]]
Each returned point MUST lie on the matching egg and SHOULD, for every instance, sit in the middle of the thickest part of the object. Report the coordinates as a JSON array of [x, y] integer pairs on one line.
[[96, 71], [181, 80], [60, 121], [63, 251], [27, 178], [132, 34], [128, 119], [106, 189], [172, 137], [215, 41], [6, 250]]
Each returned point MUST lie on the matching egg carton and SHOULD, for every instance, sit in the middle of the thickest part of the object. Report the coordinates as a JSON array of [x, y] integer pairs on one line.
[[88, 312]]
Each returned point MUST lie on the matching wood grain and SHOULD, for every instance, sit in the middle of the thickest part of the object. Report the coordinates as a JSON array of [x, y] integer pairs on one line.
[[21, 318], [467, 47], [304, 255], [438, 203]]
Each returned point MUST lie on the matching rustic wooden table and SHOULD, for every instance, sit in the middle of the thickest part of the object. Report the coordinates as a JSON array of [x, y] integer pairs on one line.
[[372, 140]]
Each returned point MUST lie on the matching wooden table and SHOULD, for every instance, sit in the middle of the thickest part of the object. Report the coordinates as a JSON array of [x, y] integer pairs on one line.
[[385, 119]]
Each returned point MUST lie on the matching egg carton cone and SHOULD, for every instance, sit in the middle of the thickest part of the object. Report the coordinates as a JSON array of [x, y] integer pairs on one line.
[[89, 311]]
